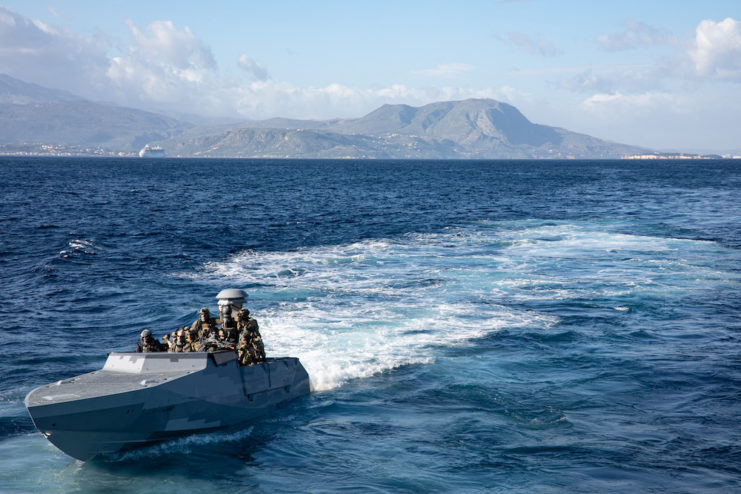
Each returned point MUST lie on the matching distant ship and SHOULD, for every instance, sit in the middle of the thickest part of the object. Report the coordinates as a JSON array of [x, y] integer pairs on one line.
[[152, 152]]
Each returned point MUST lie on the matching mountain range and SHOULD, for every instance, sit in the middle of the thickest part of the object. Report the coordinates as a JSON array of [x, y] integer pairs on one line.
[[34, 117]]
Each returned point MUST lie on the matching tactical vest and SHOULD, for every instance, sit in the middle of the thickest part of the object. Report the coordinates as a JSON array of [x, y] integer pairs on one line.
[[202, 328], [150, 346]]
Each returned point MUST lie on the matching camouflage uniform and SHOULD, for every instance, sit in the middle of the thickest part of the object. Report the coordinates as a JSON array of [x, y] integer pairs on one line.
[[200, 329], [250, 348], [190, 345], [147, 343], [178, 341]]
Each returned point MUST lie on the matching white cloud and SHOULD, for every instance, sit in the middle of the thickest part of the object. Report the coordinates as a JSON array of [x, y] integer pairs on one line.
[[634, 79], [716, 50], [446, 70], [613, 105], [636, 35], [263, 99], [685, 119], [165, 45], [253, 67], [39, 53], [165, 67], [163, 64], [533, 46]]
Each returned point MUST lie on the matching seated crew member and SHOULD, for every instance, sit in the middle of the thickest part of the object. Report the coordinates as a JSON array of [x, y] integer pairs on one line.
[[188, 344], [170, 342], [250, 349], [147, 343], [178, 341], [203, 325], [213, 341]]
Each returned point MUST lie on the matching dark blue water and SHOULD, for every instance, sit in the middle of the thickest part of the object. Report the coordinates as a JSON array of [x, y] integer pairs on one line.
[[505, 326]]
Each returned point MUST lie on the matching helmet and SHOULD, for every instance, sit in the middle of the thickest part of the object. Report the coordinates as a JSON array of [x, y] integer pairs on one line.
[[205, 310], [244, 312], [146, 333]]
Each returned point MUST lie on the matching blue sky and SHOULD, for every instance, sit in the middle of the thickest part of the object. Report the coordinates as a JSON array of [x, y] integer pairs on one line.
[[663, 74]]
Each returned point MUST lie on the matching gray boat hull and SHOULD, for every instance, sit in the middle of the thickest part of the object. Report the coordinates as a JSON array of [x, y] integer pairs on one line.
[[141, 398]]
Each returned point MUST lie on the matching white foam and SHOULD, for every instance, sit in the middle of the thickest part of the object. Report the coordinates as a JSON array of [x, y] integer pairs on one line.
[[78, 246], [351, 311], [183, 445]]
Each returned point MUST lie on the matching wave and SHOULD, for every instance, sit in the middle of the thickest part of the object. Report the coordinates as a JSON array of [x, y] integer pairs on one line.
[[179, 446], [78, 247]]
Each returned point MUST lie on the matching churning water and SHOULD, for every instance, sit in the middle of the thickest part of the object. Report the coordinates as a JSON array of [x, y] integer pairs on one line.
[[512, 326]]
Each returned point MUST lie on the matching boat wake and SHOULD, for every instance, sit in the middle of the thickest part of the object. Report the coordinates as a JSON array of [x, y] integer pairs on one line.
[[350, 311], [181, 446]]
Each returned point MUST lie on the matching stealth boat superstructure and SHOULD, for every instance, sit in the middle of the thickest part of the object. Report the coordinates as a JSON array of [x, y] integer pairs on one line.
[[140, 398]]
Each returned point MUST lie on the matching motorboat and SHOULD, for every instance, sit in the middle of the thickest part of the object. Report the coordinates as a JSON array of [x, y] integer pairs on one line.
[[142, 398]]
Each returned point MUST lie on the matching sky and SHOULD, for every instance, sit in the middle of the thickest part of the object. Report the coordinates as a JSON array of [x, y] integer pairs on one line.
[[660, 74]]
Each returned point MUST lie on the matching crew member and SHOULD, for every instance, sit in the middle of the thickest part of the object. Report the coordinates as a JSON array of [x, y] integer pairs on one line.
[[250, 348], [178, 342], [202, 327], [213, 340], [191, 345], [147, 343]]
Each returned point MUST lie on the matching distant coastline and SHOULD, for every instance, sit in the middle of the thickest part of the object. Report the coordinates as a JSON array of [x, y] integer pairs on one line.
[[680, 156], [52, 123], [63, 151]]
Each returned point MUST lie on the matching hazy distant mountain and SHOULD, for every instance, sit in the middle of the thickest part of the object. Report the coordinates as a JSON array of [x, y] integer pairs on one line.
[[300, 143], [474, 128], [13, 91], [463, 122], [33, 114]]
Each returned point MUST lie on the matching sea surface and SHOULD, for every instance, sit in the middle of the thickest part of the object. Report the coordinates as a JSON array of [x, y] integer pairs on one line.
[[468, 326]]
